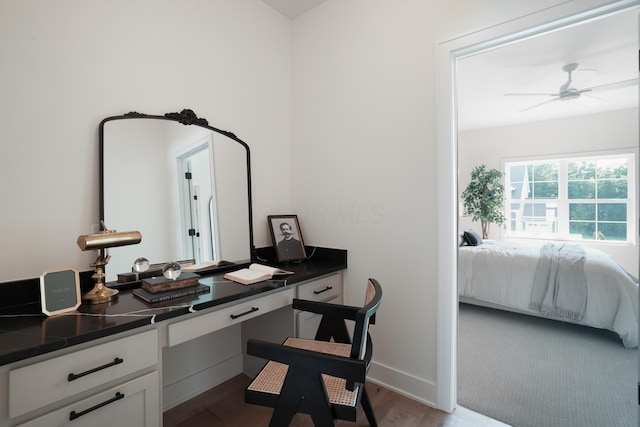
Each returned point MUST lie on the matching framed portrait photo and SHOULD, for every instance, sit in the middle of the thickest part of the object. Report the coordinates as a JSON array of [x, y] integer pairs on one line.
[[287, 237]]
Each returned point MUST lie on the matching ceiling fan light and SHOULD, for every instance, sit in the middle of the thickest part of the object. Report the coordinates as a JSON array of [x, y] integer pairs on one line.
[[570, 97], [569, 94]]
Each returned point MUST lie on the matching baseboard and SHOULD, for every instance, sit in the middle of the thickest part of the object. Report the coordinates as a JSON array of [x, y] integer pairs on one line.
[[400, 382], [193, 385], [403, 383]]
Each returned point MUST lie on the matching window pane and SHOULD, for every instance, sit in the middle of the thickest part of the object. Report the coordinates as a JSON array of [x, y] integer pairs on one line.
[[612, 212], [545, 172], [612, 231], [582, 211], [517, 179], [539, 210], [612, 189], [528, 192], [581, 170], [545, 190], [612, 168], [585, 229], [582, 190], [518, 190]]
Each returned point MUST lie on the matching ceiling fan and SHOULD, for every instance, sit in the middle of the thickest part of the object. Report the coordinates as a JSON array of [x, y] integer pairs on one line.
[[568, 92]]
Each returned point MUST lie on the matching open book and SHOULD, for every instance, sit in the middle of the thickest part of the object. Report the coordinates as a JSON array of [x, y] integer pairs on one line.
[[205, 265], [255, 273]]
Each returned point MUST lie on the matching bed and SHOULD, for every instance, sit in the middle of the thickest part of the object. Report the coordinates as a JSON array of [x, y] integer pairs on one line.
[[531, 278]]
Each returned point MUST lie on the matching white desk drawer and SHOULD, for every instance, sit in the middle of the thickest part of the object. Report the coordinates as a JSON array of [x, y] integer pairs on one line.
[[326, 288], [206, 323], [135, 403], [37, 385]]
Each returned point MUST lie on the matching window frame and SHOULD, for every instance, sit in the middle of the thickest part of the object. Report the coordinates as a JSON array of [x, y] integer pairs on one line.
[[562, 226]]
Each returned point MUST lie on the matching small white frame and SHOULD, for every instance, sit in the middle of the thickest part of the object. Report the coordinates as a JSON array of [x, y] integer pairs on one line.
[[60, 291]]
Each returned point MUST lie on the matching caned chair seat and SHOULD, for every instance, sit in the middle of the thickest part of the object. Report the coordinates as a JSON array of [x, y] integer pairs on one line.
[[324, 377], [271, 378]]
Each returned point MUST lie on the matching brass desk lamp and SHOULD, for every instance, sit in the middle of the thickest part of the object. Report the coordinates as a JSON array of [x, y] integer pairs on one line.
[[102, 242]]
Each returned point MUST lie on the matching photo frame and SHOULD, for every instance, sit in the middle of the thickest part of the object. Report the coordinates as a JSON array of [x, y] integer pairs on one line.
[[287, 237], [60, 291]]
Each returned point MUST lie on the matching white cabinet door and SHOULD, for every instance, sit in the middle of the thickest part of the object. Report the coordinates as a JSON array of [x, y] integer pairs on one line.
[[133, 404]]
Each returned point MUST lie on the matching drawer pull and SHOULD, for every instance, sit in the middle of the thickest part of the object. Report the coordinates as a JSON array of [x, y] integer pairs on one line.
[[328, 288], [73, 377], [73, 414], [253, 310]]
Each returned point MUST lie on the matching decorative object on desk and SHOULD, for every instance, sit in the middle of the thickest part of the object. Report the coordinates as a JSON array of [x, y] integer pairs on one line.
[[59, 291], [255, 273], [140, 265], [136, 277], [172, 270], [287, 237], [153, 270], [102, 242], [160, 283], [139, 270], [152, 297]]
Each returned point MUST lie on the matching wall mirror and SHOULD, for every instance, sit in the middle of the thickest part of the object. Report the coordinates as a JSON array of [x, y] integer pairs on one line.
[[185, 185]]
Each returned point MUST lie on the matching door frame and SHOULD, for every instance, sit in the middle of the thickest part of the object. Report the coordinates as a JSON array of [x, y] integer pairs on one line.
[[448, 52]]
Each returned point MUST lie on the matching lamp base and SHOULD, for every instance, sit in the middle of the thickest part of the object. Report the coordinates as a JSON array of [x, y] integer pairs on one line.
[[100, 294]]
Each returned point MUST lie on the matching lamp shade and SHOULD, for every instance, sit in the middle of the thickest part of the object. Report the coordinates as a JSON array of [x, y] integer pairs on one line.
[[108, 239]]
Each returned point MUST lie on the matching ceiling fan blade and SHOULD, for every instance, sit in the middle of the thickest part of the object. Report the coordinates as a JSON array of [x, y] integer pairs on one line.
[[531, 94], [612, 86], [538, 105], [590, 100]]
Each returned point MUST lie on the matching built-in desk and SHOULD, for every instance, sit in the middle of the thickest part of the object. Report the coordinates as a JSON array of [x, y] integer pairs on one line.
[[125, 362]]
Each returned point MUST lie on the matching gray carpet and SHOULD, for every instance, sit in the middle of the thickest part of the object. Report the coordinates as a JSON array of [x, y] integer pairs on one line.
[[527, 371]]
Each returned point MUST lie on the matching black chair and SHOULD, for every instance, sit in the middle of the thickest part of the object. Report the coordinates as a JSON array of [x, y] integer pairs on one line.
[[319, 377]]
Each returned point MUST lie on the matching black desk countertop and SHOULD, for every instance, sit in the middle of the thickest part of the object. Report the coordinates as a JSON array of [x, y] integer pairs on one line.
[[28, 333]]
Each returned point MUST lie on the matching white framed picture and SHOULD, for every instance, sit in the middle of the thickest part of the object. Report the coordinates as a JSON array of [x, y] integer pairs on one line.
[[60, 291]]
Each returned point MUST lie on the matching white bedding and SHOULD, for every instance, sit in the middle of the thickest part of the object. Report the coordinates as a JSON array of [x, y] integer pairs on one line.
[[501, 273]]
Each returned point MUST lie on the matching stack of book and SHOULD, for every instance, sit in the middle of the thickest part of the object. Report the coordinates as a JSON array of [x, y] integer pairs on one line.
[[156, 289]]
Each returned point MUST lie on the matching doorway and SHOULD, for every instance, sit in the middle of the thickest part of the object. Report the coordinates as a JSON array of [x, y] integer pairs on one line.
[[449, 53], [195, 172]]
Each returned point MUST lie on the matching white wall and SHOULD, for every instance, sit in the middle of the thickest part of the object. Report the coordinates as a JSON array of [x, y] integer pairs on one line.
[[616, 130], [364, 158], [68, 64]]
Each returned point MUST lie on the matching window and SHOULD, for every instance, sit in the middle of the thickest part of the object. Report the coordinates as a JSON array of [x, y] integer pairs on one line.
[[581, 198]]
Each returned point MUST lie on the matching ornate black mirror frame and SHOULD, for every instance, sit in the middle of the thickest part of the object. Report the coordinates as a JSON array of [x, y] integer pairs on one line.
[[186, 117]]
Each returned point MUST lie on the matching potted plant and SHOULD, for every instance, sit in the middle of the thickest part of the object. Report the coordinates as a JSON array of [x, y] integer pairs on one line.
[[484, 198]]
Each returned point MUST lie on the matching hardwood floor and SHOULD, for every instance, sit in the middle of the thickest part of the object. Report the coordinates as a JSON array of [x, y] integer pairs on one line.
[[224, 406]]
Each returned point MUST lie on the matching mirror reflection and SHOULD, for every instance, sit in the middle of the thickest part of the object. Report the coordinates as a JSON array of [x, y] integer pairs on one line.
[[186, 188]]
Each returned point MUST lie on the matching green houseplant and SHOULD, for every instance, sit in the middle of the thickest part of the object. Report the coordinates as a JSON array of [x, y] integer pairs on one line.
[[484, 198]]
